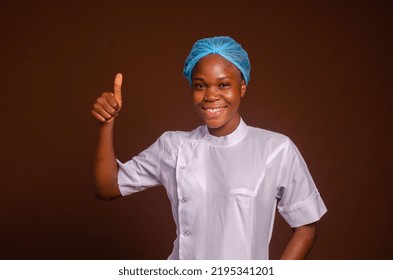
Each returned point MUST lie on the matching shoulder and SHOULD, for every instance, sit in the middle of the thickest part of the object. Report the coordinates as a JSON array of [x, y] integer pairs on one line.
[[175, 137], [273, 144], [267, 136], [276, 145]]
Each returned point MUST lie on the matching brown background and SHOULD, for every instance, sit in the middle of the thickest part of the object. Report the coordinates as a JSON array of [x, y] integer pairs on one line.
[[321, 74]]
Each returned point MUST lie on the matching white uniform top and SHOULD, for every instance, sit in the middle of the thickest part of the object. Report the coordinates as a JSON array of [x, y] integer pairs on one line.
[[224, 190]]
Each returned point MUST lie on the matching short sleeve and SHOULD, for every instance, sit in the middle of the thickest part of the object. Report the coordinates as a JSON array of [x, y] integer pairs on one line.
[[299, 200], [143, 170]]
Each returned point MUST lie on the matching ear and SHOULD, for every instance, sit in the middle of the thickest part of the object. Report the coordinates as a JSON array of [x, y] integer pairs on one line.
[[243, 88]]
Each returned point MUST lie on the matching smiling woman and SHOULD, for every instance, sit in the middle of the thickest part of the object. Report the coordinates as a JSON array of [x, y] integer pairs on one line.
[[224, 179], [217, 87]]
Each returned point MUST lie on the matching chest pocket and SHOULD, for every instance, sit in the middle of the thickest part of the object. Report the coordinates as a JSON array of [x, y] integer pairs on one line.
[[243, 194], [246, 195]]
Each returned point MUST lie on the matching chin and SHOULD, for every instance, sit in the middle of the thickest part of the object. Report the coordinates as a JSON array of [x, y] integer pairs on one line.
[[213, 123]]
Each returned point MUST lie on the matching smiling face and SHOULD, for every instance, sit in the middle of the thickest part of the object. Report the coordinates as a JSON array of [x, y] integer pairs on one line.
[[217, 87]]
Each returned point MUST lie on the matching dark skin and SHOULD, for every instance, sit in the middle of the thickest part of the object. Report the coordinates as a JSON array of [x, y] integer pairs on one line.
[[105, 110], [217, 89]]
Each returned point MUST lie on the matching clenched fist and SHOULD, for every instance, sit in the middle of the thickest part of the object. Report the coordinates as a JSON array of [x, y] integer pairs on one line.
[[107, 106]]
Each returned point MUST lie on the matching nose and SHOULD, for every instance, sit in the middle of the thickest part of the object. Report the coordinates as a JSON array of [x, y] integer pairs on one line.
[[211, 94]]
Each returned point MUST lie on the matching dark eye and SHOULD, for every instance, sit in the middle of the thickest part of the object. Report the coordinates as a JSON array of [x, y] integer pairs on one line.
[[225, 85], [199, 86]]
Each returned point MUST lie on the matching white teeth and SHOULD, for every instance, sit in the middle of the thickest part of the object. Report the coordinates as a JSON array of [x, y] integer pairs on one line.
[[214, 110]]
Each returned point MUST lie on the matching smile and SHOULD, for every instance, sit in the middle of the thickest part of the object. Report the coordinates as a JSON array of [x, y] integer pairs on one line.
[[214, 110]]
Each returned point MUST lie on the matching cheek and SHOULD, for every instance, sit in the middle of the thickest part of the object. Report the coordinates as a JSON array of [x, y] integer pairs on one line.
[[196, 97], [233, 97]]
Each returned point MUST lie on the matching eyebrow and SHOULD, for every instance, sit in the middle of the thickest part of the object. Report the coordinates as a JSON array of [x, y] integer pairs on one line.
[[197, 78], [224, 78], [202, 79]]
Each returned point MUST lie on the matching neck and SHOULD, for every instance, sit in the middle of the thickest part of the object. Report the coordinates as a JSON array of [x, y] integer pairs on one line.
[[226, 129]]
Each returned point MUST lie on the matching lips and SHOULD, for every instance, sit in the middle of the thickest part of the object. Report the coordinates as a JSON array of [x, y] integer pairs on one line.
[[213, 112], [214, 109]]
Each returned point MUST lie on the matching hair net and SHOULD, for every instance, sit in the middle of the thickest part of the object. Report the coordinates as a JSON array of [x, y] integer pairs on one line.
[[221, 45]]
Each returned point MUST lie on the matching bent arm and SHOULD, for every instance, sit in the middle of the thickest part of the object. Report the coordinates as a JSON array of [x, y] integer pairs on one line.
[[300, 243], [105, 110], [105, 167]]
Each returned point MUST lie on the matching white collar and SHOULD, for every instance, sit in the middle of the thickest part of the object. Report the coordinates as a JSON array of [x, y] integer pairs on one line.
[[227, 140]]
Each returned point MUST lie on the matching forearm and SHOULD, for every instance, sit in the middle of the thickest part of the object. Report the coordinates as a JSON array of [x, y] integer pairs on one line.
[[300, 243], [105, 167]]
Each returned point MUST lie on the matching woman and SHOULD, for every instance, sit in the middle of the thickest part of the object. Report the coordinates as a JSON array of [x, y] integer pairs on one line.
[[224, 179]]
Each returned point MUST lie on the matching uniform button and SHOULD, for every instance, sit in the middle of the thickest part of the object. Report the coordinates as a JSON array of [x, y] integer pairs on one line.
[[182, 167], [194, 144], [186, 233], [184, 200], [207, 137]]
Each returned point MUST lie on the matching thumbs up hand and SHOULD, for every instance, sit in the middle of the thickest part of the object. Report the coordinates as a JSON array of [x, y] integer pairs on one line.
[[108, 105]]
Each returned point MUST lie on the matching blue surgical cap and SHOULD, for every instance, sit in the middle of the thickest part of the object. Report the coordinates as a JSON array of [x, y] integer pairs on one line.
[[222, 45]]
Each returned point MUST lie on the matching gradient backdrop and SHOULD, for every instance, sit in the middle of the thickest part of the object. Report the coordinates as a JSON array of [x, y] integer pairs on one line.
[[321, 74]]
